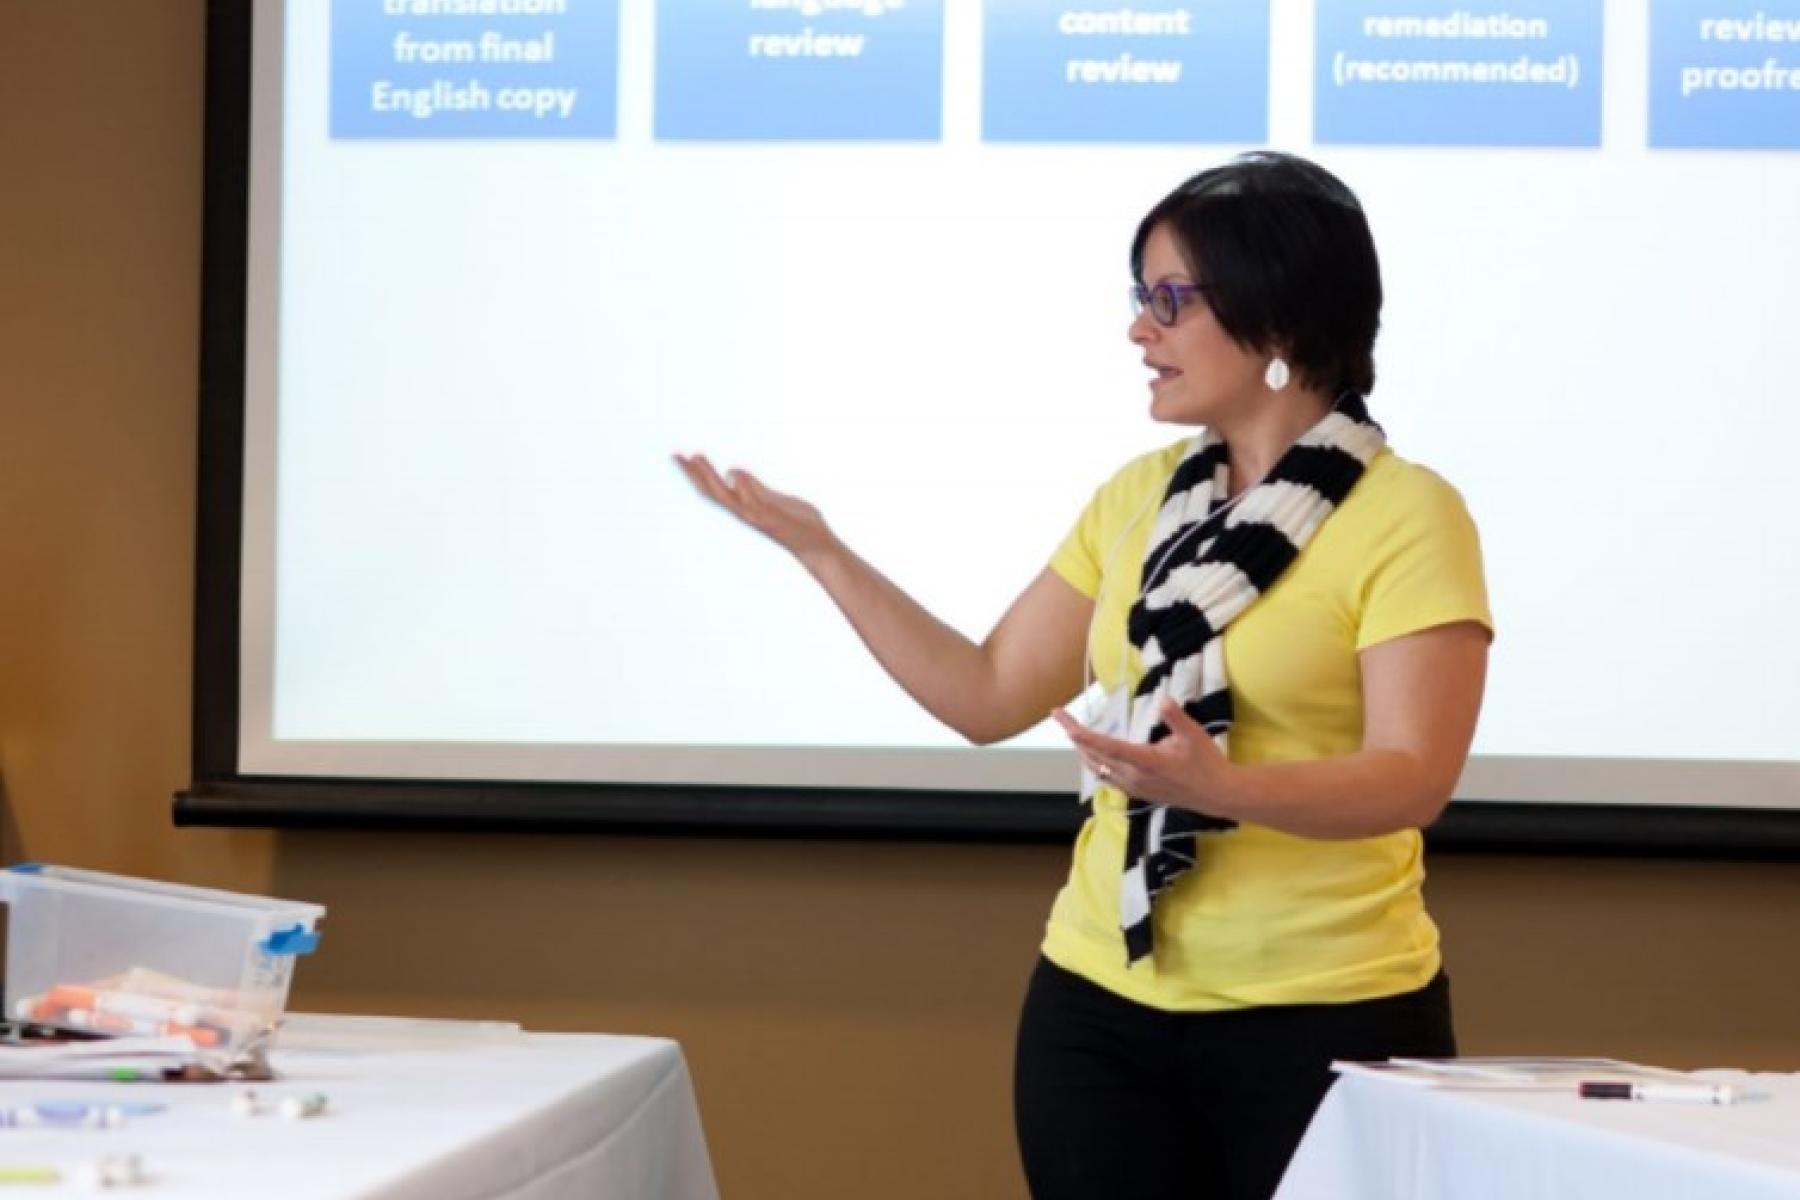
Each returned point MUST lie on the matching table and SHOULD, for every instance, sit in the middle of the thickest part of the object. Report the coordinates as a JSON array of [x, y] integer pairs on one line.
[[444, 1116], [1375, 1139]]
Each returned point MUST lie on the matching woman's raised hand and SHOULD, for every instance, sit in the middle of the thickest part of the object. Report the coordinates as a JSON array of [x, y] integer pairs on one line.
[[787, 520]]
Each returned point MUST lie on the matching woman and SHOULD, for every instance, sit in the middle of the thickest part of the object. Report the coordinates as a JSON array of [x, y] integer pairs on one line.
[[1291, 627]]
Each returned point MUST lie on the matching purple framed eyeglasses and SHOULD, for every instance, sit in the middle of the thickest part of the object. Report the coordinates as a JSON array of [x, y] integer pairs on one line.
[[1164, 300]]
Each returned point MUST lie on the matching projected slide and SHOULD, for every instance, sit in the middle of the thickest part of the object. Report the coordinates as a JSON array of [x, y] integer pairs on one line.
[[1725, 75], [401, 70], [780, 69], [509, 255], [1418, 74], [1056, 71]]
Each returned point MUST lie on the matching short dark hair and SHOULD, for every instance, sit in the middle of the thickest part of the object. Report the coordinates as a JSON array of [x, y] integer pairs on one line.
[[1288, 261]]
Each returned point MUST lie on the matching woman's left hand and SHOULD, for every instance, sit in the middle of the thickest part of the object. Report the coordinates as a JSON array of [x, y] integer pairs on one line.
[[1185, 769]]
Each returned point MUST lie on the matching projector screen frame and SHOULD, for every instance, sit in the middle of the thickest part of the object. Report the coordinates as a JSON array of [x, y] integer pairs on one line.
[[220, 795]]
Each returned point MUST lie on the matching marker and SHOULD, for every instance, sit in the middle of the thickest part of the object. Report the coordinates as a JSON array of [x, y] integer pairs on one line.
[[118, 1011], [30, 1174], [94, 1021], [1689, 1093], [67, 1116], [123, 1004], [74, 1114]]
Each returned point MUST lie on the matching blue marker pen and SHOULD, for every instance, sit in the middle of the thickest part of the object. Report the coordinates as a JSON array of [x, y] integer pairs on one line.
[[71, 1114]]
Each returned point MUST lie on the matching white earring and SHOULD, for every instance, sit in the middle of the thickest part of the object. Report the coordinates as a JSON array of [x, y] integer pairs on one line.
[[1277, 375]]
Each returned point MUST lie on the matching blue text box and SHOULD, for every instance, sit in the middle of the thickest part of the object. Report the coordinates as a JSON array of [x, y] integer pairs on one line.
[[1725, 74], [405, 70], [798, 70], [1427, 73], [1057, 71]]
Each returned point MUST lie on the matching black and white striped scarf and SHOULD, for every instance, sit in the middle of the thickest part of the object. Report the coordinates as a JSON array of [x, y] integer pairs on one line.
[[1208, 560]]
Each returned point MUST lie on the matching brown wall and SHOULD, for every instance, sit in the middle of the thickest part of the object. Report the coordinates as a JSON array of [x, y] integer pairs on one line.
[[846, 1007]]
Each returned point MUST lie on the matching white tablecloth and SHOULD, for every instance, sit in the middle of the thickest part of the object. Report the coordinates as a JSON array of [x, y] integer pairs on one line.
[[531, 1117], [1374, 1139]]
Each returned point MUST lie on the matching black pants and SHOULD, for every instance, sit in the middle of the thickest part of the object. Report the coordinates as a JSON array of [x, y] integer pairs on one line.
[[1116, 1101]]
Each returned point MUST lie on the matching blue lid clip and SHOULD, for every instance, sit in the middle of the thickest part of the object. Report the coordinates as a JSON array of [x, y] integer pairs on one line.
[[294, 940]]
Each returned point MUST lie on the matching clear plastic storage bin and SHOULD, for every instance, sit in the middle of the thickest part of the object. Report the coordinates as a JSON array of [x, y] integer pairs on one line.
[[110, 954]]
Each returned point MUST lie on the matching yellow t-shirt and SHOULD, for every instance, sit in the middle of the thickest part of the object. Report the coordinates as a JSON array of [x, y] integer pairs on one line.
[[1265, 917]]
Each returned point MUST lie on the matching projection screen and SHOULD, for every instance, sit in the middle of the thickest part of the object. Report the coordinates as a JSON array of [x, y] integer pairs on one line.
[[477, 268]]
